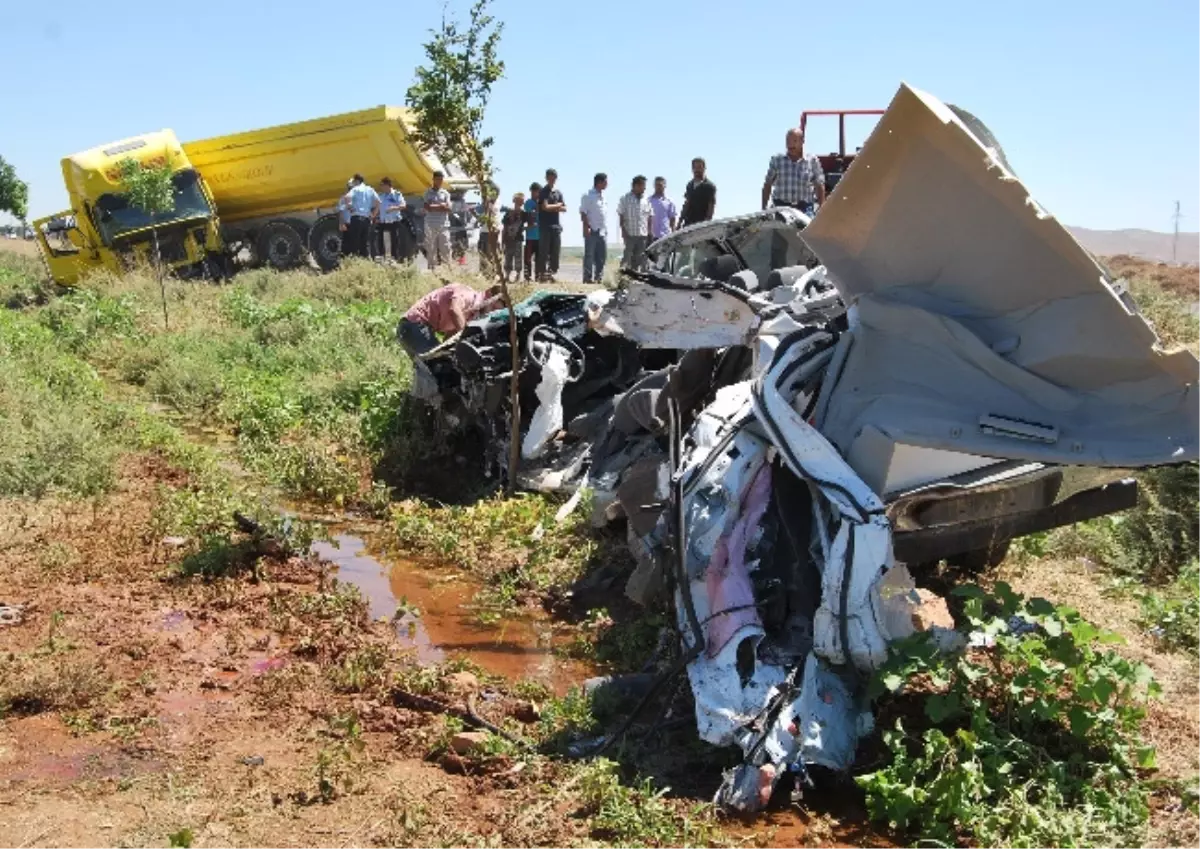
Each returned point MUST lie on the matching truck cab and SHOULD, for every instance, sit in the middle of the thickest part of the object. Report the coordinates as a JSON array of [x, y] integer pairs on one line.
[[104, 230]]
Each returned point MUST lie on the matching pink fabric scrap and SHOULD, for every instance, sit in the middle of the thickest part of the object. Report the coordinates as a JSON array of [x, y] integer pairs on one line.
[[727, 580]]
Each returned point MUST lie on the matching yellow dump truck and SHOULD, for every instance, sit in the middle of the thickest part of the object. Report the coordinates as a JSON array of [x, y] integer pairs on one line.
[[260, 197]]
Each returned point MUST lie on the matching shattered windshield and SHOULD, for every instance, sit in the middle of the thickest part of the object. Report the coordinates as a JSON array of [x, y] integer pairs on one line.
[[765, 247], [116, 216], [761, 246], [686, 260]]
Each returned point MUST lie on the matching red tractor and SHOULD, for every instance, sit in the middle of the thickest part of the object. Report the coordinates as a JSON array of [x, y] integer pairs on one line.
[[835, 164]]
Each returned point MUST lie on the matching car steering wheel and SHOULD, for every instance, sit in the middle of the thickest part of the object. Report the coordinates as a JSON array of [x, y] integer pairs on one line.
[[538, 345]]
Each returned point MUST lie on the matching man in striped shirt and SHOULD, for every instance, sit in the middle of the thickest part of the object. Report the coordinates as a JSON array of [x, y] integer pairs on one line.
[[794, 179], [634, 212]]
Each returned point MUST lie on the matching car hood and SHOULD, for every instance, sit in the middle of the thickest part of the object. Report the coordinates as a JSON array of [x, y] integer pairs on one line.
[[972, 305]]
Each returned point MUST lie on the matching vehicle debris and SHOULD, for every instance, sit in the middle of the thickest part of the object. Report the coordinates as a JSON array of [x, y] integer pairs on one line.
[[794, 417], [11, 614]]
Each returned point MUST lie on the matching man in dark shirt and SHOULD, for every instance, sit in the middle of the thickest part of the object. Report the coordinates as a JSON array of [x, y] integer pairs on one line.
[[550, 207], [700, 196]]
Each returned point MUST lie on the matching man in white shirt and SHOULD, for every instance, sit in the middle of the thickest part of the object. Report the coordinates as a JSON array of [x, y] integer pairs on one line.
[[364, 209], [595, 231], [635, 212], [391, 208]]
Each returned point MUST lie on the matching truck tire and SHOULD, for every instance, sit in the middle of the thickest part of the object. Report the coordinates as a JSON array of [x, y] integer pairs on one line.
[[325, 242], [279, 246], [407, 237]]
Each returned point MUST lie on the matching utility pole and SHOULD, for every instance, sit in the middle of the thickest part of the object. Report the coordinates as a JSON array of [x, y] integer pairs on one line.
[[1175, 241]]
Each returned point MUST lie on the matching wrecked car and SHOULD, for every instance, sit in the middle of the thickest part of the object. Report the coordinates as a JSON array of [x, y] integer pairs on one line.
[[571, 372], [929, 368]]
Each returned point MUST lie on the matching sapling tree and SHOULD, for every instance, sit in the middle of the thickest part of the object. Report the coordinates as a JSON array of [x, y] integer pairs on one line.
[[150, 189], [449, 100]]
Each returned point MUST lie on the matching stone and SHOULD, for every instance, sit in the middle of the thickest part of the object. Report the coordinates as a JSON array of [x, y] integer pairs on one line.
[[462, 682], [931, 612], [468, 742], [527, 712]]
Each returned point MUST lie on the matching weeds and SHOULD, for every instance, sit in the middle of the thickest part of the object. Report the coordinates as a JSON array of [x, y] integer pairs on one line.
[[1031, 741], [57, 433], [360, 671], [1172, 613], [638, 814], [23, 281], [1167, 313], [33, 684], [514, 542], [335, 767], [305, 369], [620, 646]]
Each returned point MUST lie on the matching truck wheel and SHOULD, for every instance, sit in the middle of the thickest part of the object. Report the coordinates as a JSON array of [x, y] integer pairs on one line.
[[325, 242], [408, 241], [279, 246]]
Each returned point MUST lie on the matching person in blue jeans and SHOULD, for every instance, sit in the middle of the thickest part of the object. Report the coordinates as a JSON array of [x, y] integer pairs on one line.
[[531, 229], [595, 232]]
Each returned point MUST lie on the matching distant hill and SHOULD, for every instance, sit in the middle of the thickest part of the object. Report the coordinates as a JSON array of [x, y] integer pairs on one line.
[[1145, 244]]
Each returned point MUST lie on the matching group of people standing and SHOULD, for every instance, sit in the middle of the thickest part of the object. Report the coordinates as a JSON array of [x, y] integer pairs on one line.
[[528, 234], [367, 214], [530, 231]]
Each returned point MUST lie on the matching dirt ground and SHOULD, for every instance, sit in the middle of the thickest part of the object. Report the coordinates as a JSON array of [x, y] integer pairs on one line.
[[19, 246], [158, 705]]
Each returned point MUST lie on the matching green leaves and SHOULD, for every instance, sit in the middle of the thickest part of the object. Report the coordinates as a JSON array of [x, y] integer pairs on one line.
[[14, 193], [940, 707], [450, 94], [1030, 742], [149, 186]]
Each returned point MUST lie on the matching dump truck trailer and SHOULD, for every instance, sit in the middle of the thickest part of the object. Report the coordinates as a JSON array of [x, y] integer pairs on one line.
[[276, 188], [262, 197]]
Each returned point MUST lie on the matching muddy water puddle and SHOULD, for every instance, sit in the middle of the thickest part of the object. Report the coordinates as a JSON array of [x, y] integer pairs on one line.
[[434, 616]]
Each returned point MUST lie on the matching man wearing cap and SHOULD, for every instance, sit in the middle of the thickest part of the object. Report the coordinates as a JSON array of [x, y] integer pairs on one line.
[[794, 179], [364, 208], [436, 206], [391, 208]]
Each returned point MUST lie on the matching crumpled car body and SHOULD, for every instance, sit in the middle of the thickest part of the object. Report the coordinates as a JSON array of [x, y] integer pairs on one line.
[[955, 372]]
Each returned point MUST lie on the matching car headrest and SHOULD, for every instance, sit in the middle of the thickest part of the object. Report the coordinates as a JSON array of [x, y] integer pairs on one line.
[[745, 280], [720, 268], [785, 276]]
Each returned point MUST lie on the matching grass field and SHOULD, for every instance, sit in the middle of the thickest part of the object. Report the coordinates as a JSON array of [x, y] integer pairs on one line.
[[173, 678]]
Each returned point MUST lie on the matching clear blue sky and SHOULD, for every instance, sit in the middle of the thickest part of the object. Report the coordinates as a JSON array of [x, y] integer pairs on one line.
[[1095, 103]]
